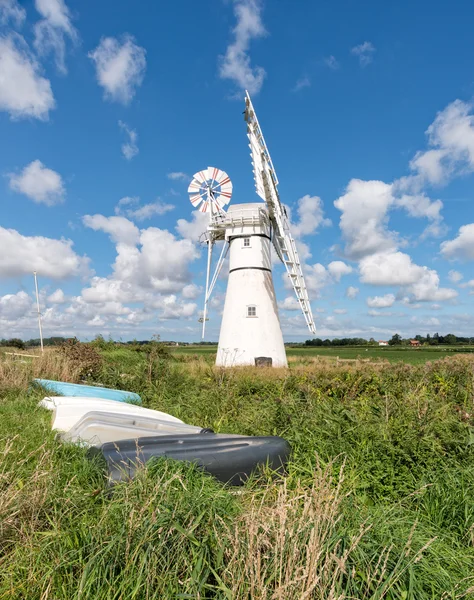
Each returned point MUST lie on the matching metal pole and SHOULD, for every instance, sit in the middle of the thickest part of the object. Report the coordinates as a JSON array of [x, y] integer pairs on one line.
[[39, 313], [209, 254]]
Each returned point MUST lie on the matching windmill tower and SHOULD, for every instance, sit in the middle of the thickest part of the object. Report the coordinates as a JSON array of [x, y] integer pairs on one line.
[[250, 328]]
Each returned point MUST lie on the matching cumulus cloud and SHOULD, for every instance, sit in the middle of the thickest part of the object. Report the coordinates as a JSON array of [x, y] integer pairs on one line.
[[57, 297], [462, 247], [340, 311], [363, 223], [23, 91], [147, 211], [11, 10], [455, 276], [120, 229], [15, 306], [310, 216], [235, 64], [120, 67], [337, 269], [451, 137], [143, 212], [130, 147], [351, 292], [381, 301], [289, 303], [49, 257], [365, 53], [397, 268], [192, 230], [150, 259], [51, 31], [39, 183]]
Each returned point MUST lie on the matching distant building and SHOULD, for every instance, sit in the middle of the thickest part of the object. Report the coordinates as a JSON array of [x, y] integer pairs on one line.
[[383, 343], [415, 343]]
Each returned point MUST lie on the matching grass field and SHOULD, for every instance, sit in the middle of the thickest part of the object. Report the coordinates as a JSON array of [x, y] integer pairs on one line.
[[409, 355], [377, 502]]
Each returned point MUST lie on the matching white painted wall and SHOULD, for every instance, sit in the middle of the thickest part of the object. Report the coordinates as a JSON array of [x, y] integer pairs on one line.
[[243, 338]]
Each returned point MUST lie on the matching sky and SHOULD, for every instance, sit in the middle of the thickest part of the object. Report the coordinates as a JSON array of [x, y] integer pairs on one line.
[[107, 109]]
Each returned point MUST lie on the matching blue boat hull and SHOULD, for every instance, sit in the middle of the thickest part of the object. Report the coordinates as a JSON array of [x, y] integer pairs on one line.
[[86, 391]]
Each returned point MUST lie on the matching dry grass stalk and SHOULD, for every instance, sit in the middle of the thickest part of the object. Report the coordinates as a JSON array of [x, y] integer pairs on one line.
[[49, 365]]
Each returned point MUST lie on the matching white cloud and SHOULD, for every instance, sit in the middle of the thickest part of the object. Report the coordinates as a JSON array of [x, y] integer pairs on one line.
[[397, 268], [193, 229], [365, 53], [10, 9], [381, 301], [178, 175], [451, 136], [289, 303], [57, 297], [352, 292], [455, 276], [173, 308], [316, 277], [120, 67], [51, 31], [23, 91], [389, 268], [363, 223], [39, 183], [141, 213], [162, 263], [129, 148], [126, 201], [310, 216], [149, 210], [462, 247], [302, 82], [340, 311], [191, 291], [150, 259], [331, 62], [235, 64], [21, 255], [337, 269], [15, 306], [120, 229]]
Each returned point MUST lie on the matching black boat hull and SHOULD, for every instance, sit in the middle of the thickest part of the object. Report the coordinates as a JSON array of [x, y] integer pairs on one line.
[[229, 458]]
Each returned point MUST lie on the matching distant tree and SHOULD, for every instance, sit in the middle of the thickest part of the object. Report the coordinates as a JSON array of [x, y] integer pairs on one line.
[[450, 339], [16, 343], [396, 340]]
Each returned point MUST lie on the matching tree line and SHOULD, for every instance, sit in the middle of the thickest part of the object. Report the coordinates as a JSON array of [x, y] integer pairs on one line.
[[396, 340]]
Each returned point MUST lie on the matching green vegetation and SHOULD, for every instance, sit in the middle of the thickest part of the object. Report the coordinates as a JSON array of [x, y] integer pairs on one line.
[[299, 354], [378, 501]]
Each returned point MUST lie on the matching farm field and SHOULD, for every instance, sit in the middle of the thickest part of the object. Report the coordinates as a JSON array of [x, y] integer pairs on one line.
[[377, 501], [409, 355]]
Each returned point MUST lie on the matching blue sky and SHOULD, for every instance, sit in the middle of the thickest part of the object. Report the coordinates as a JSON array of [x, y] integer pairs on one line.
[[107, 108]]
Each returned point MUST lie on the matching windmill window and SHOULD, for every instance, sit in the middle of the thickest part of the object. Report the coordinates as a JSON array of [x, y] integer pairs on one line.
[[251, 311], [246, 242]]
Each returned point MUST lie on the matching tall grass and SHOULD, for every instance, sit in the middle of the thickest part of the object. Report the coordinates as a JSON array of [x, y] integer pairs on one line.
[[377, 501]]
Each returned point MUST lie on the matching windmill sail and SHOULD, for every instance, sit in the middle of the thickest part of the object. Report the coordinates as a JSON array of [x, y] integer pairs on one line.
[[266, 184]]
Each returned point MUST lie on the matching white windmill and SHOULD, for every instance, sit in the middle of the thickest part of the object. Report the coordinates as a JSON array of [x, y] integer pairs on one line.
[[250, 326]]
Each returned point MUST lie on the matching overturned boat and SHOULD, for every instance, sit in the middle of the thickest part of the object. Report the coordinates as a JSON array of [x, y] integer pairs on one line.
[[229, 458], [100, 427], [69, 410], [64, 388]]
